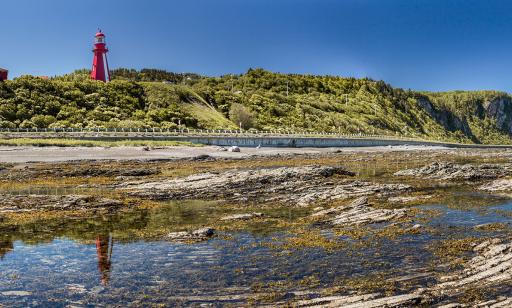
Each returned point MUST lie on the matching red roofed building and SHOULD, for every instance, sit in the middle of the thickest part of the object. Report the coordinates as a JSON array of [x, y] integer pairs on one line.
[[3, 74]]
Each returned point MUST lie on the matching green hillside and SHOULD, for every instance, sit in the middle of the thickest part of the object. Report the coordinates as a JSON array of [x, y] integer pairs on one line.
[[257, 99]]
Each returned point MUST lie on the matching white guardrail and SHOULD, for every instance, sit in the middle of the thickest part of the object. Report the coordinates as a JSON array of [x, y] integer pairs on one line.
[[160, 132]]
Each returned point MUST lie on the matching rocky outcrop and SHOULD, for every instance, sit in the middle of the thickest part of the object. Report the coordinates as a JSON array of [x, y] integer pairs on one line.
[[294, 185], [500, 109], [232, 179], [451, 171], [195, 236], [500, 302], [492, 265], [498, 185], [346, 190], [81, 169], [447, 119], [242, 216], [409, 199], [29, 203], [372, 300], [359, 212]]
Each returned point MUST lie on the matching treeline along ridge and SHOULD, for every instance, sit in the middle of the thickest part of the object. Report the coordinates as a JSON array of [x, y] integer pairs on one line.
[[258, 99]]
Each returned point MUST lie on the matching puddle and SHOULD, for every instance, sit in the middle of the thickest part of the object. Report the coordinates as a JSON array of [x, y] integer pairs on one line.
[[449, 217]]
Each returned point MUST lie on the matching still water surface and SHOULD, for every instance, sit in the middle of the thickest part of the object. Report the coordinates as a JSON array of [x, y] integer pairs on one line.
[[98, 260]]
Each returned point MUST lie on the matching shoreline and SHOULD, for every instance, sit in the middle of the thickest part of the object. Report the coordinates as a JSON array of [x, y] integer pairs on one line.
[[26, 154]]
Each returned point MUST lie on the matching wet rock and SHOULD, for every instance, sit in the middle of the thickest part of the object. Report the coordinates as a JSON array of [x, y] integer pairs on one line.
[[76, 288], [416, 227], [372, 300], [202, 157], [138, 172], [286, 184], [26, 203], [452, 305], [242, 216], [359, 212], [97, 290], [500, 302], [16, 293], [491, 267], [345, 191], [191, 236], [498, 185], [408, 199], [451, 171], [81, 169], [362, 201]]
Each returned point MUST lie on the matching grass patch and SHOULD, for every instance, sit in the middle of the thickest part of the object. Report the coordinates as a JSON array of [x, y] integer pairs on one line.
[[208, 117], [91, 143]]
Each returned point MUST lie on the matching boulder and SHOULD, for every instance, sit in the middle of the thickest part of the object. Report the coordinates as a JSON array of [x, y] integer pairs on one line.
[[234, 149], [191, 236]]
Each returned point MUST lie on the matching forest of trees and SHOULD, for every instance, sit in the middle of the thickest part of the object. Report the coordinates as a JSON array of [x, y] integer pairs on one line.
[[257, 99], [147, 74]]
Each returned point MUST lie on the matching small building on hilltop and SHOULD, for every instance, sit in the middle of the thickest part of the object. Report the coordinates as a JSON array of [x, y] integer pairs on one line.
[[3, 74]]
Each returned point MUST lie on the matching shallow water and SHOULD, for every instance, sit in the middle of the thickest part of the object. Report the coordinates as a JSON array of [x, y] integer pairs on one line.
[[94, 260], [121, 259]]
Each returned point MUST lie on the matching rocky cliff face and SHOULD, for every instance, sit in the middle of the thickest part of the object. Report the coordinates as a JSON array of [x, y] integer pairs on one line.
[[447, 119], [493, 110], [500, 109]]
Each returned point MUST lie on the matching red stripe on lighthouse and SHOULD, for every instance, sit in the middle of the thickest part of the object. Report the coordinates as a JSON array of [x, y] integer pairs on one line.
[[99, 70]]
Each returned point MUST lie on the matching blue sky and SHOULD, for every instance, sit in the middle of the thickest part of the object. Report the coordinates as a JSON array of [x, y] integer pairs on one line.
[[424, 45]]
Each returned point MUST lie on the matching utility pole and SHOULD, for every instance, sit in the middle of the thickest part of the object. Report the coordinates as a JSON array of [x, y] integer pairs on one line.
[[287, 87], [346, 99]]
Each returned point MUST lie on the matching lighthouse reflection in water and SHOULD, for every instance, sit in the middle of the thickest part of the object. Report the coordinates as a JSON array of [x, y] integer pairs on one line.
[[104, 247]]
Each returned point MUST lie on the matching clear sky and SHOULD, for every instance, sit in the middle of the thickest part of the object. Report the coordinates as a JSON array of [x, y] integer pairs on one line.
[[424, 45]]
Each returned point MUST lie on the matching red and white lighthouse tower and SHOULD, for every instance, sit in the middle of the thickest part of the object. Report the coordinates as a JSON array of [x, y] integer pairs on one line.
[[100, 69]]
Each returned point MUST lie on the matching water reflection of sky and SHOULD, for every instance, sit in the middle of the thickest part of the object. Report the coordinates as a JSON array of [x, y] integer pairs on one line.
[[68, 271], [101, 270], [470, 217]]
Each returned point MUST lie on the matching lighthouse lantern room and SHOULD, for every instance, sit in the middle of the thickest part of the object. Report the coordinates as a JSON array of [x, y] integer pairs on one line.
[[100, 69]]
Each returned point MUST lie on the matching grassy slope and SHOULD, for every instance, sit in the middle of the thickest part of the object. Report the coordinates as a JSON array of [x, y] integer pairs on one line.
[[318, 103], [187, 101], [276, 101], [207, 117]]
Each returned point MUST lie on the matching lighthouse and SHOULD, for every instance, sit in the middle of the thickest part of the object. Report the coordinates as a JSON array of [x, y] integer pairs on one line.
[[100, 64]]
